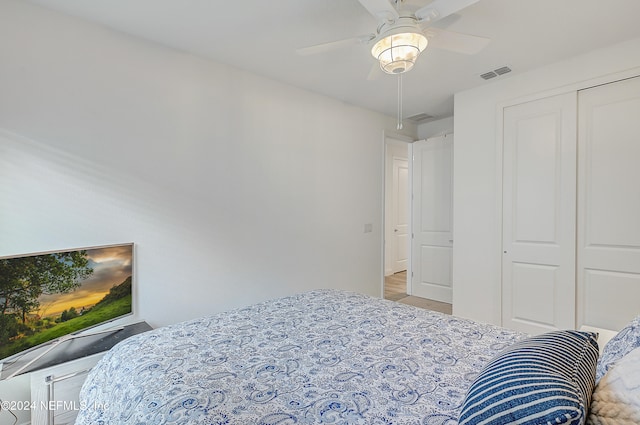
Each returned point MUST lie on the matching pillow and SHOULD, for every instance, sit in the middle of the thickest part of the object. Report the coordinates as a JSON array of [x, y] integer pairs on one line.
[[604, 336], [616, 399], [626, 340], [544, 379]]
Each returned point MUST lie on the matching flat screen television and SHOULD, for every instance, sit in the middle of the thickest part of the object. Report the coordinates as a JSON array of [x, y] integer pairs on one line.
[[54, 297]]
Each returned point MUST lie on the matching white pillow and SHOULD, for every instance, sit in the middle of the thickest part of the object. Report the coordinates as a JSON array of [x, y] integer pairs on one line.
[[616, 398], [620, 345]]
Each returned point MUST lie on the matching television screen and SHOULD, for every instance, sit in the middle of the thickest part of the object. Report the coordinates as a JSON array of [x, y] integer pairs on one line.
[[48, 297]]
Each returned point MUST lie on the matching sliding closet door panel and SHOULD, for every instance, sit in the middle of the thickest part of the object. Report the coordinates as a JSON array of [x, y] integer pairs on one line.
[[609, 204], [539, 189], [604, 288], [533, 284], [535, 187]]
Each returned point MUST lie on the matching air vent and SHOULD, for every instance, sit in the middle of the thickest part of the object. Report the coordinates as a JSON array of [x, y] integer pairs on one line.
[[503, 70], [495, 73], [419, 118], [488, 75]]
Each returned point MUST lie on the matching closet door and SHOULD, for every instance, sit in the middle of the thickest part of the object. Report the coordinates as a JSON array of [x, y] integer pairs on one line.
[[608, 272], [539, 210]]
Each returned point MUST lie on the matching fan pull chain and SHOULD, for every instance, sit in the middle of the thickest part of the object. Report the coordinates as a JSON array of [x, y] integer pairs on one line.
[[399, 126]]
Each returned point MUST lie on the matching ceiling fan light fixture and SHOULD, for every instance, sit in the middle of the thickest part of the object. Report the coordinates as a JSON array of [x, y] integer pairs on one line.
[[397, 53]]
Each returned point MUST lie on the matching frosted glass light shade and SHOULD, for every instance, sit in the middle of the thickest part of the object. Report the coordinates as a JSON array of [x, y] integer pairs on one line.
[[397, 53]]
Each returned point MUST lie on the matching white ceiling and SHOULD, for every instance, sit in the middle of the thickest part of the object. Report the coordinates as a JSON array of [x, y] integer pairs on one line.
[[262, 35]]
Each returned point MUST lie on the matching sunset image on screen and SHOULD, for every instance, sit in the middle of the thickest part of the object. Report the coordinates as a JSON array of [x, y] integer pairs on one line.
[[49, 295]]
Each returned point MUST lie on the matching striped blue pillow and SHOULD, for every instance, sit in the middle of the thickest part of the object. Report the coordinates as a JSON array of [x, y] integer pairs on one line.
[[545, 379]]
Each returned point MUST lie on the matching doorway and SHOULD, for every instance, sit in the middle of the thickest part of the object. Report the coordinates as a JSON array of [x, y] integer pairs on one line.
[[396, 218], [399, 208]]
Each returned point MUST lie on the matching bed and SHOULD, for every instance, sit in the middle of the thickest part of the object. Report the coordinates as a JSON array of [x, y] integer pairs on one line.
[[320, 357]]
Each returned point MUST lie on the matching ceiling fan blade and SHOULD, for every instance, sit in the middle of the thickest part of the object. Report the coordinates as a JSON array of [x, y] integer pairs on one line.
[[445, 22], [455, 41], [383, 10], [375, 72], [439, 9], [332, 45]]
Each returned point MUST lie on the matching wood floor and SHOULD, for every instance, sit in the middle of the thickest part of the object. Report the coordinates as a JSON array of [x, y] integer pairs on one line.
[[395, 289]]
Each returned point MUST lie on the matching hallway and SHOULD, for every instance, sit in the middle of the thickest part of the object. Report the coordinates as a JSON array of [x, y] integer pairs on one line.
[[395, 289]]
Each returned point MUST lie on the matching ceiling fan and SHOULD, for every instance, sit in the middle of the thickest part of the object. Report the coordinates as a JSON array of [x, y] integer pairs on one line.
[[404, 31]]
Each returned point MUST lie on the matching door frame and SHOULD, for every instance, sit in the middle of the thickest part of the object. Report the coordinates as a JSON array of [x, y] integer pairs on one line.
[[392, 138]]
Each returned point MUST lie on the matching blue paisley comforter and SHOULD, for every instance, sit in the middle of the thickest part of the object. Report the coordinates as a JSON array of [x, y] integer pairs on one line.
[[321, 357]]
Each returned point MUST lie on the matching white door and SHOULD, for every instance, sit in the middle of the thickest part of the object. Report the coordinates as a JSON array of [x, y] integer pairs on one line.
[[400, 214], [609, 204], [432, 243], [539, 196]]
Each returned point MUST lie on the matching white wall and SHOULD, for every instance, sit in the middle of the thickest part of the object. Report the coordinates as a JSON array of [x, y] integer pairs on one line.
[[435, 128], [234, 188], [477, 193]]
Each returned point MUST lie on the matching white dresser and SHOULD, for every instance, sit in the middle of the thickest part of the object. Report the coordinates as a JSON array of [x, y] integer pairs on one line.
[[55, 391], [46, 392]]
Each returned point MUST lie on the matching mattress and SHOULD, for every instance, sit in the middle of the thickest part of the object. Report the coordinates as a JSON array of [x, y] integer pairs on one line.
[[320, 357]]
